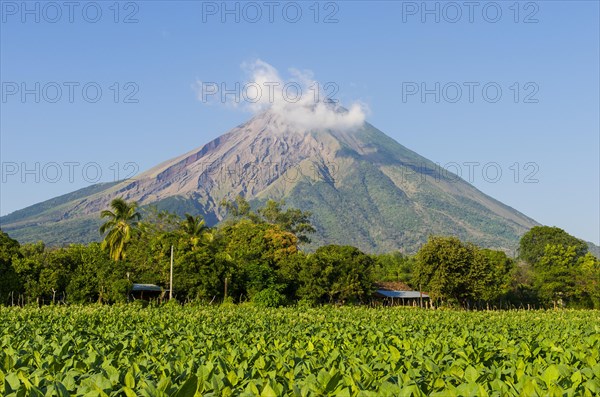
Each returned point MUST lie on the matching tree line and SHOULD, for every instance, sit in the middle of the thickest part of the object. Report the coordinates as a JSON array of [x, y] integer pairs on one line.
[[255, 255]]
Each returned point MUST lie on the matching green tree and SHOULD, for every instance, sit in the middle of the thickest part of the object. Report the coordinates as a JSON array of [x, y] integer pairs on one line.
[[588, 281], [93, 272], [288, 273], [28, 267], [119, 225], [255, 253], [521, 291], [533, 243], [199, 275], [443, 264], [238, 208], [461, 272], [555, 272], [195, 229], [491, 275], [149, 252], [9, 280], [81, 273], [45, 272], [113, 284], [562, 276], [269, 297], [336, 273], [55, 273], [561, 266], [291, 220], [393, 266]]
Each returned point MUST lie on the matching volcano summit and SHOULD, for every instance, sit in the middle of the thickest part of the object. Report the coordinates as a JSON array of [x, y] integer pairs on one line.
[[362, 188]]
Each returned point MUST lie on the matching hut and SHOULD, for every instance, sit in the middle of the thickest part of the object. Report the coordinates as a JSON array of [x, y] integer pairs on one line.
[[404, 298], [398, 293], [145, 292]]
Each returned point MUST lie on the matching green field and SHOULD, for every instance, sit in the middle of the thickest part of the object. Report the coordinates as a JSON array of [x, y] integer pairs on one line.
[[347, 351]]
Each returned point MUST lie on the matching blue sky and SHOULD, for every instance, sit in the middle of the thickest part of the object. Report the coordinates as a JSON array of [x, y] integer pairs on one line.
[[542, 132]]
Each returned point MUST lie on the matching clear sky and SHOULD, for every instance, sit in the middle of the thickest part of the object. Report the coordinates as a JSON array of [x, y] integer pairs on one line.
[[148, 57]]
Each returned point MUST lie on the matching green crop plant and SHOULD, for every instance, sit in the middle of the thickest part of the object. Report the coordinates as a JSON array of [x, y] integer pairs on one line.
[[246, 350]]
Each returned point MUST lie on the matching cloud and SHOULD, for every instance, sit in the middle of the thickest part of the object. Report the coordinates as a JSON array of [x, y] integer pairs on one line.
[[300, 101]]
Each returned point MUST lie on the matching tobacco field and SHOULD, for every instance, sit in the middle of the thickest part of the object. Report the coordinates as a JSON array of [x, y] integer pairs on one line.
[[172, 350]]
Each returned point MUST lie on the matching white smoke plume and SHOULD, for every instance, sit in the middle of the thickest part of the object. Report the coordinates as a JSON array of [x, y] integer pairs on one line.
[[299, 101]]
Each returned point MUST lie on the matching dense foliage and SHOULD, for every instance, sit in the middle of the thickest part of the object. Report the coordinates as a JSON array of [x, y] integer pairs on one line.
[[393, 266], [336, 274], [255, 255], [252, 256], [462, 272], [248, 351], [533, 243], [563, 270], [9, 280]]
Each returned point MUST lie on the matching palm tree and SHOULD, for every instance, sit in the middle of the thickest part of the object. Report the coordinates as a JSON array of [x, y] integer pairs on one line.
[[121, 221], [195, 228]]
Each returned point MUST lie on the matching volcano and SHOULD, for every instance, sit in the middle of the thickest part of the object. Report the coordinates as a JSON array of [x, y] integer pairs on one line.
[[362, 188]]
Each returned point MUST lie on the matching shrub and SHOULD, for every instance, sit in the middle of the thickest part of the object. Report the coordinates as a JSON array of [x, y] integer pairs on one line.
[[269, 297]]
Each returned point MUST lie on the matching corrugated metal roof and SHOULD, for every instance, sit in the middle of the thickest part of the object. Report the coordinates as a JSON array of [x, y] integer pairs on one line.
[[401, 294], [146, 287]]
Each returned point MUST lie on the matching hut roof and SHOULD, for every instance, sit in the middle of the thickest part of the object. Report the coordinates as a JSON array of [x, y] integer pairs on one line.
[[146, 287], [401, 294]]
